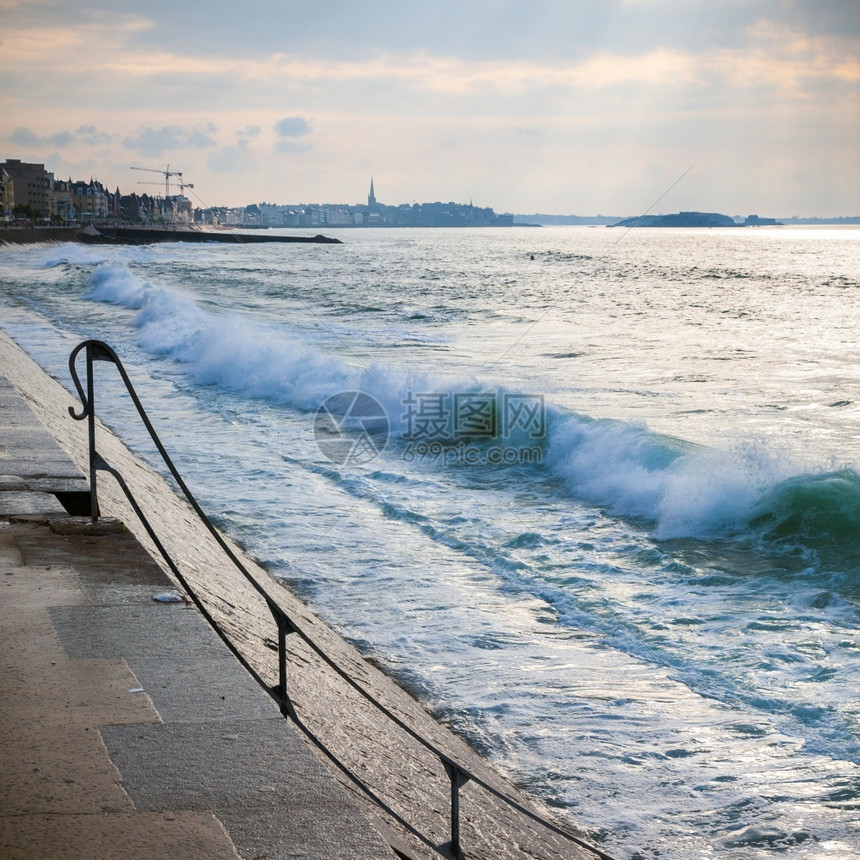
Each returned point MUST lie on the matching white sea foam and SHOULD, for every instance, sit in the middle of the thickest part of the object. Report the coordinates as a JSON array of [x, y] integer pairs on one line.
[[76, 254], [115, 284], [685, 490], [250, 357]]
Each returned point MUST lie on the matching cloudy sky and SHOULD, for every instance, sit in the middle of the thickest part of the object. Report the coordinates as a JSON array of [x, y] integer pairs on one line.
[[560, 106]]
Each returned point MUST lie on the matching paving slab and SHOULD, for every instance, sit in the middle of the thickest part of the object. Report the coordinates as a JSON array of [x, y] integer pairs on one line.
[[12, 482], [12, 503], [213, 765], [123, 562], [23, 588], [34, 452], [73, 693], [272, 799], [312, 833], [57, 770], [172, 632], [209, 689], [119, 836]]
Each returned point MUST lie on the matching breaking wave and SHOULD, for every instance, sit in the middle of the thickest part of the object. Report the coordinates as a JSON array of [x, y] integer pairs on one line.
[[681, 489]]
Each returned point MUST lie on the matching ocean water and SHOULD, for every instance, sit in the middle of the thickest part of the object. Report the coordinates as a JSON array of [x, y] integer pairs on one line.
[[598, 505]]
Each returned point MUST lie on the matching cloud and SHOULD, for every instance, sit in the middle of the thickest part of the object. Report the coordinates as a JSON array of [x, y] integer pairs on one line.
[[232, 159], [480, 29], [289, 146], [249, 131], [292, 126], [90, 135], [86, 134], [289, 127], [26, 137], [154, 141]]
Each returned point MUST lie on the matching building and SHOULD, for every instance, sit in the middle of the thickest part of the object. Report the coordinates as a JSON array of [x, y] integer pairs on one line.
[[63, 206], [183, 211], [271, 215], [338, 216], [7, 194], [89, 201], [31, 186], [115, 204], [137, 208]]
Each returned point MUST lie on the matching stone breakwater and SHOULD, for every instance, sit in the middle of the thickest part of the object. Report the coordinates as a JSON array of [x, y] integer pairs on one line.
[[409, 779], [149, 235]]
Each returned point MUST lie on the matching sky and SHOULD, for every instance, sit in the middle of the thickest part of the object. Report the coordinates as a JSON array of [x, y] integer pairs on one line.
[[556, 106]]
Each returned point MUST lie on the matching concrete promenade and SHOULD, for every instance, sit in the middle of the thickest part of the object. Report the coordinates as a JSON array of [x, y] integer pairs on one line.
[[127, 730]]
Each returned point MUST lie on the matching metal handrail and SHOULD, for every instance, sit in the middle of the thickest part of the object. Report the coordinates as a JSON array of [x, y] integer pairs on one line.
[[458, 775]]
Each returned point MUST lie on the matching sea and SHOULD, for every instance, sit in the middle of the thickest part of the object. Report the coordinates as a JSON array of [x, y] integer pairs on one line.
[[591, 494]]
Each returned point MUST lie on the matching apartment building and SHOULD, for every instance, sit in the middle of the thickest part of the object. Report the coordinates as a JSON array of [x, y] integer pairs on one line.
[[29, 185]]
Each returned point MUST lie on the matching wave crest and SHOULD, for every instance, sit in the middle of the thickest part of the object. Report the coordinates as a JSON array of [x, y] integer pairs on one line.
[[683, 489]]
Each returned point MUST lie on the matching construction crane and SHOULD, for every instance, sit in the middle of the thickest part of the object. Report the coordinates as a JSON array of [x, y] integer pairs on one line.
[[182, 185], [167, 173]]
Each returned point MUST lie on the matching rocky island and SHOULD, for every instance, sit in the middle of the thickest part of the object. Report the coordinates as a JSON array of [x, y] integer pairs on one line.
[[696, 219], [680, 219]]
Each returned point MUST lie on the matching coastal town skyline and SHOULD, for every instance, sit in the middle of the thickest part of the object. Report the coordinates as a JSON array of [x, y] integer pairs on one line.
[[527, 107]]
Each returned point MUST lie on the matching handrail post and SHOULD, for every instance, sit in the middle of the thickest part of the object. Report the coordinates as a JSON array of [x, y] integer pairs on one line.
[[284, 628], [91, 431], [458, 779], [282, 662], [93, 351]]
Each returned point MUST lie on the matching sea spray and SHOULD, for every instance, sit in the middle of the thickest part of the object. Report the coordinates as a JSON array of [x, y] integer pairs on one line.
[[248, 357], [114, 283]]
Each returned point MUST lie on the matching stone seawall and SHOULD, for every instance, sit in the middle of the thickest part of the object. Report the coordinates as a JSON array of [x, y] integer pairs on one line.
[[34, 235]]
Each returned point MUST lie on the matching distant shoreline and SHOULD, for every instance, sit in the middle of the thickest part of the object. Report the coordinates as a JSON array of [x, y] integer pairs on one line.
[[545, 220]]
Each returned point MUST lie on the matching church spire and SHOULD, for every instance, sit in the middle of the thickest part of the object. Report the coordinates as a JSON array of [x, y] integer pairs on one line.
[[371, 198]]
